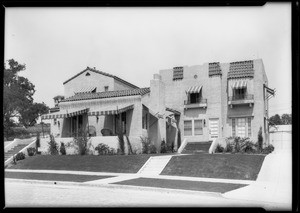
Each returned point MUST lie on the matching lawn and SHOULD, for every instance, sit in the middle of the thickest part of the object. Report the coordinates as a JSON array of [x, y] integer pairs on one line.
[[92, 163], [227, 166], [53, 177], [182, 184]]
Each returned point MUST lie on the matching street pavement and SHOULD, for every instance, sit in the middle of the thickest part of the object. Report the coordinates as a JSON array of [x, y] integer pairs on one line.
[[45, 194]]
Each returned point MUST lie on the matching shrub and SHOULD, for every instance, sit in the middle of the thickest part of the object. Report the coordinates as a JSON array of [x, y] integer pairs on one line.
[[219, 148], [20, 156], [152, 149], [81, 143], [146, 144], [260, 139], [37, 142], [248, 146], [268, 149], [170, 147], [229, 147], [104, 149], [31, 151], [62, 148], [163, 148], [121, 143], [53, 148]]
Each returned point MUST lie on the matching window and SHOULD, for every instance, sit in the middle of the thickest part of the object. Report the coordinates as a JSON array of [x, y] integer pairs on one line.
[[55, 121], [249, 127], [177, 73], [106, 88], [198, 127], [233, 127], [241, 127], [239, 93], [87, 74], [194, 98], [188, 128]]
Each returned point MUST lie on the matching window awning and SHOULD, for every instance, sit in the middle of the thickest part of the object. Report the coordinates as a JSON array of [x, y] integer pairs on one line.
[[64, 114], [85, 89], [110, 111], [239, 84], [194, 89]]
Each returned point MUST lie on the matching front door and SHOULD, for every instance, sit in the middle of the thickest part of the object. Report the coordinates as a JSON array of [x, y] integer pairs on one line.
[[213, 128]]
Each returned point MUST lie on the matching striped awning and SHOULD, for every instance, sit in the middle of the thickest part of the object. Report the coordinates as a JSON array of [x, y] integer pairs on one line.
[[239, 84], [110, 111], [194, 89], [85, 89], [64, 114]]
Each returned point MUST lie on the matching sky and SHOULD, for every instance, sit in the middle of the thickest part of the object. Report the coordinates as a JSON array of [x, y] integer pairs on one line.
[[135, 43]]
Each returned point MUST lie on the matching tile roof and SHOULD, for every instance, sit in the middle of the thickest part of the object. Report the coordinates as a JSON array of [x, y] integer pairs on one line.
[[214, 69], [108, 94], [102, 73], [241, 69]]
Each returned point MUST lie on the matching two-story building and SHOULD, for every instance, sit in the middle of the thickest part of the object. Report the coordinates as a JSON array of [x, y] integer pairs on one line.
[[198, 103], [219, 99]]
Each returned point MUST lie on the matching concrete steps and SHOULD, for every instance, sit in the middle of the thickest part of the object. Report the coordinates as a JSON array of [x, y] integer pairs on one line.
[[154, 165], [13, 151], [196, 147]]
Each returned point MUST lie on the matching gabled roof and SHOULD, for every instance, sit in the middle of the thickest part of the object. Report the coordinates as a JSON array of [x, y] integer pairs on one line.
[[102, 73], [108, 94]]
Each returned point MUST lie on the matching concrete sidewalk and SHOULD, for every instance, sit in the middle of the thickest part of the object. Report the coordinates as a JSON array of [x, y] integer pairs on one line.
[[274, 181]]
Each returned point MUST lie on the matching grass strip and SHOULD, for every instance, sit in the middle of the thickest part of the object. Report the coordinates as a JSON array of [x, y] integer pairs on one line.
[[53, 177], [91, 163], [182, 184], [225, 166]]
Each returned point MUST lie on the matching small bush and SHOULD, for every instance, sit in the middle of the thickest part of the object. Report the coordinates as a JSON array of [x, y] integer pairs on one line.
[[170, 147], [31, 151], [163, 148], [146, 142], [62, 148], [81, 143], [20, 156], [37, 142], [152, 149], [268, 149], [121, 143], [248, 147], [229, 147], [53, 148], [104, 149], [219, 149], [260, 139]]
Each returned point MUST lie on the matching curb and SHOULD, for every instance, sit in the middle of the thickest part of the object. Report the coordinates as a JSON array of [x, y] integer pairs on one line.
[[117, 186]]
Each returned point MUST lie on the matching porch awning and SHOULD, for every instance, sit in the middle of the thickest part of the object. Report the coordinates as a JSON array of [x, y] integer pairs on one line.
[[239, 84], [64, 114], [110, 111], [194, 89]]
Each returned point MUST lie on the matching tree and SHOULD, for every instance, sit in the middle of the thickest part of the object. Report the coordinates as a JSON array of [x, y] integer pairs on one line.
[[17, 92], [286, 119], [30, 115], [275, 119]]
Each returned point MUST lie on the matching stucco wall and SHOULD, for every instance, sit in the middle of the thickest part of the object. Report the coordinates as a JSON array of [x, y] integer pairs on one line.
[[118, 85], [134, 129], [83, 81], [216, 90]]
